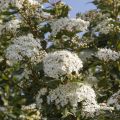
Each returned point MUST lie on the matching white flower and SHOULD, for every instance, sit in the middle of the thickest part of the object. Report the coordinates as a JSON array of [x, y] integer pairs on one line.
[[69, 25], [12, 25], [31, 106], [4, 4], [60, 63], [104, 27], [30, 112], [23, 46], [115, 100], [19, 3], [108, 54], [43, 91], [90, 108], [70, 93], [39, 100], [34, 2], [39, 57], [104, 106]]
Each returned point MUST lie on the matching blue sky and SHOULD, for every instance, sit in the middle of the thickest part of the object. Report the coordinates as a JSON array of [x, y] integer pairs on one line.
[[79, 6]]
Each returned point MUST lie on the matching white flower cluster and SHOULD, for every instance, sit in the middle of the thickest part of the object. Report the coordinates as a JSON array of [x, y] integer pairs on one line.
[[71, 94], [61, 63], [115, 100], [17, 3], [39, 99], [74, 41], [90, 107], [39, 57], [29, 107], [104, 106], [30, 112], [108, 54], [4, 4], [23, 46], [10, 26], [69, 25], [105, 26]]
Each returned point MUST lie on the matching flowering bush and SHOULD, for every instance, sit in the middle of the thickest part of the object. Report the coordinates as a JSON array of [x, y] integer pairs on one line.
[[53, 67]]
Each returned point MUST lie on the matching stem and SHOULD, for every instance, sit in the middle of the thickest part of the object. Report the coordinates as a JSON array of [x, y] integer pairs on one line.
[[105, 69]]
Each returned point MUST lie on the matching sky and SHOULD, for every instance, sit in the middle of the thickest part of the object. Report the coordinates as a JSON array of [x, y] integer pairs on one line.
[[79, 6]]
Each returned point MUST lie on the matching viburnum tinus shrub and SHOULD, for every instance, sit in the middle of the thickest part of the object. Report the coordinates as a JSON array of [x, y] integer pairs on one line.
[[54, 67]]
